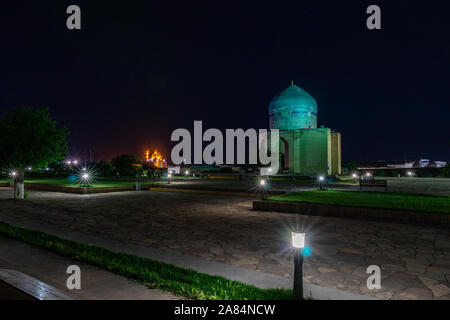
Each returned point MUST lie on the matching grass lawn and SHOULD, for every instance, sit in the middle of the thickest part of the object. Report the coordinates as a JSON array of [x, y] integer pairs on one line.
[[153, 274], [423, 203], [98, 183]]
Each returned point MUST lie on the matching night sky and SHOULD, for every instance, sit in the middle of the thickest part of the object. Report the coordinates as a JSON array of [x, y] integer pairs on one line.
[[139, 70]]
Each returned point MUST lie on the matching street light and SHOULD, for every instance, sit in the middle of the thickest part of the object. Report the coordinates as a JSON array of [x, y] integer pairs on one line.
[[169, 176], [354, 176], [262, 183], [85, 178], [321, 182], [298, 242], [409, 173]]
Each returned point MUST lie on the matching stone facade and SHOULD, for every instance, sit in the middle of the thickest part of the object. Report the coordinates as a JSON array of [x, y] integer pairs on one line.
[[304, 148]]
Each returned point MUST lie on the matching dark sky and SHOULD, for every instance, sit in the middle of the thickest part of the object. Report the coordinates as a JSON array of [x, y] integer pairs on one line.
[[140, 69]]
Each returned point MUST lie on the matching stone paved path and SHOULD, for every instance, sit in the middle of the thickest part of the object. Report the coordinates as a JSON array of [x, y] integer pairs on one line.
[[96, 284], [415, 261]]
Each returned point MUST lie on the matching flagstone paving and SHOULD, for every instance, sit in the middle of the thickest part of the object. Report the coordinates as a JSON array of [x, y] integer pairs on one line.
[[414, 261]]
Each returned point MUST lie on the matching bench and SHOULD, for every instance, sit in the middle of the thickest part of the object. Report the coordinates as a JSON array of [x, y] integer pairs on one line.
[[29, 286], [373, 183]]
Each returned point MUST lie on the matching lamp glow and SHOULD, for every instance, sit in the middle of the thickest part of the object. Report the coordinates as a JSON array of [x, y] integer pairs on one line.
[[298, 240], [263, 182], [321, 178]]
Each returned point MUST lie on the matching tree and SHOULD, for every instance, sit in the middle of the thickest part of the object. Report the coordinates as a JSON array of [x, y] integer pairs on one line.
[[351, 166], [127, 165], [446, 170], [105, 169], [30, 138]]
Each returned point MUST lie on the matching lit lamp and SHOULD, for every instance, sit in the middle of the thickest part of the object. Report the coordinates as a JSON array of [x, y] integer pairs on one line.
[[263, 187], [354, 176], [410, 174], [298, 242], [321, 182], [169, 176], [85, 177]]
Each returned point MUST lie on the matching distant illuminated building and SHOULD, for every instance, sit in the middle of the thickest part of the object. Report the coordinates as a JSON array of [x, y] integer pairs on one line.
[[157, 159]]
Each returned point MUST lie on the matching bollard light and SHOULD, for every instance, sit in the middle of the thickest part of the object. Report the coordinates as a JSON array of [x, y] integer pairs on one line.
[[298, 242], [321, 182], [263, 183]]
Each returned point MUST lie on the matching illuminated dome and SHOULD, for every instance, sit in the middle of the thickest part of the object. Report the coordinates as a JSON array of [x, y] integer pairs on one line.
[[294, 108]]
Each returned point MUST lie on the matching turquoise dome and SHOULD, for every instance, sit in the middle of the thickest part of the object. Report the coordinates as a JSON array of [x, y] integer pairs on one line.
[[292, 109]]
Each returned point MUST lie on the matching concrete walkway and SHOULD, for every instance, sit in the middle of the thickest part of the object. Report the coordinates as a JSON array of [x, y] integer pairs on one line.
[[258, 279], [51, 268]]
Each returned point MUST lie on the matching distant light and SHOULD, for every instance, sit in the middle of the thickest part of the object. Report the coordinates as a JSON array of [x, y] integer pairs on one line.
[[169, 175], [29, 168], [368, 174], [270, 169], [47, 169], [75, 162], [84, 169], [263, 182], [69, 162], [85, 176], [409, 173], [187, 172], [298, 240], [14, 173], [354, 175], [322, 178]]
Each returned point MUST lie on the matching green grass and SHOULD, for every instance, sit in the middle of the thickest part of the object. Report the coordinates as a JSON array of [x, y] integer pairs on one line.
[[154, 274], [422, 203], [63, 182]]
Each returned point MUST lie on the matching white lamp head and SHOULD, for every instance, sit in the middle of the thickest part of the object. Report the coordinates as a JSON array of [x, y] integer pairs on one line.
[[321, 178], [298, 240]]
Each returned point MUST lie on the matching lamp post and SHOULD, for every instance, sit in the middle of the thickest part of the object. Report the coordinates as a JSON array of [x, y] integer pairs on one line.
[[321, 182], [169, 176], [85, 179], [263, 186], [298, 242], [354, 176]]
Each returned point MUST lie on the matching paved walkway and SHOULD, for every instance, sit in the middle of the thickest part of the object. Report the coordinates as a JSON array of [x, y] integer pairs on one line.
[[415, 261], [51, 268]]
